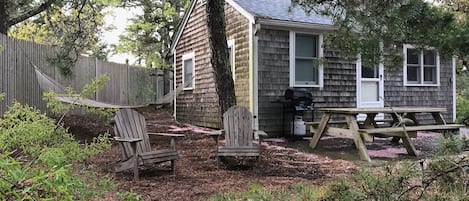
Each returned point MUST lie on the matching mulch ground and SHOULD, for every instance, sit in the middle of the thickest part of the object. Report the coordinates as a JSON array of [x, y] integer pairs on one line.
[[198, 177]]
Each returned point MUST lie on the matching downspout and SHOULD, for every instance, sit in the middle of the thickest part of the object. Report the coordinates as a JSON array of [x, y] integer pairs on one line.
[[251, 66], [256, 28]]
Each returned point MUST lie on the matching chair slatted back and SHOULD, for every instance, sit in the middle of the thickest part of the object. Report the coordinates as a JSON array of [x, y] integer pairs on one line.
[[131, 124], [237, 122]]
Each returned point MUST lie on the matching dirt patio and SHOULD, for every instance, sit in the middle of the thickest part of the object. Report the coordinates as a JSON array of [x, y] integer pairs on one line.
[[283, 164]]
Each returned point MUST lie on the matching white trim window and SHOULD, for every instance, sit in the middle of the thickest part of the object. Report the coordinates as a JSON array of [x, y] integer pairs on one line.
[[188, 71], [231, 57], [305, 68], [421, 67]]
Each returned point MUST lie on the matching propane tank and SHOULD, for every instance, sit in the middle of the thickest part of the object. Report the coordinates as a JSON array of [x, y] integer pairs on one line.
[[299, 126]]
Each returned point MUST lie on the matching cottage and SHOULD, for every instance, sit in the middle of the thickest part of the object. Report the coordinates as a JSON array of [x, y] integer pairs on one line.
[[273, 48]]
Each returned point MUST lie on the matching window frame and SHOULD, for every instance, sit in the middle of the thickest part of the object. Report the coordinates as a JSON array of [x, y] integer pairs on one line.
[[185, 57], [231, 44], [421, 64], [292, 57]]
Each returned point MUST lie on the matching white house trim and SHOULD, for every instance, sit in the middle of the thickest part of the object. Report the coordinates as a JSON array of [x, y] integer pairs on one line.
[[454, 88], [251, 66], [296, 25], [241, 10], [181, 28], [231, 44], [422, 84], [187, 57], [380, 81], [292, 59]]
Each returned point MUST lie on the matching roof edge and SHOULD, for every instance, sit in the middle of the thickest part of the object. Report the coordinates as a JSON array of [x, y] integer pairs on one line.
[[243, 11], [293, 24], [187, 14], [182, 25]]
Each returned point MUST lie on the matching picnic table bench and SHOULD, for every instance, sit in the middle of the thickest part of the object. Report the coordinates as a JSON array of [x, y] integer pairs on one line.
[[366, 130]]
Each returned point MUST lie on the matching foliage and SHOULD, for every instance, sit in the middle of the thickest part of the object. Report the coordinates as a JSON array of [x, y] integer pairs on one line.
[[73, 25], [453, 144], [38, 159], [362, 25], [2, 96], [129, 196], [442, 178], [462, 109], [149, 37]]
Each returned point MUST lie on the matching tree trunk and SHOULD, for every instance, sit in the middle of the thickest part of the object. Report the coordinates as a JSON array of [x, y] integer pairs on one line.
[[217, 35], [3, 17]]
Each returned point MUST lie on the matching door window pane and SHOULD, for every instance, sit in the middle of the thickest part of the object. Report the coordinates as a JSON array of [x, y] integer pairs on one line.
[[370, 72]]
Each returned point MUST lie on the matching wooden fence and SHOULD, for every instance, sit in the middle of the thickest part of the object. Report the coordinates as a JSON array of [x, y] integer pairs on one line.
[[130, 85]]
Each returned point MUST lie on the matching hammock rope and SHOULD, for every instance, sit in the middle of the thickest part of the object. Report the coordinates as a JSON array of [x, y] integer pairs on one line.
[[46, 83]]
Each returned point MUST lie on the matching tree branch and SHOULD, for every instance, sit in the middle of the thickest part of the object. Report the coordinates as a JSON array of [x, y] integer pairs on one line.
[[30, 13]]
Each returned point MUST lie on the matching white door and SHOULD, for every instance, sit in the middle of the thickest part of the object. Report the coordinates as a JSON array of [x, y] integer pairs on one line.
[[370, 87]]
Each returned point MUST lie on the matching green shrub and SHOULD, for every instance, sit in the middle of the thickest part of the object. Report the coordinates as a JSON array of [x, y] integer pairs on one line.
[[452, 144], [129, 196], [462, 110], [39, 159]]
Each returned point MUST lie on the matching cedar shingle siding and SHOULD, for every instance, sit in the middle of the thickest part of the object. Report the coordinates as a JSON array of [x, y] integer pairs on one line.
[[339, 80], [396, 94], [237, 28], [339, 83], [200, 106]]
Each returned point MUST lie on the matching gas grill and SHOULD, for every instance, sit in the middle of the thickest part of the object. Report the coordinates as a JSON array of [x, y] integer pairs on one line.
[[296, 102]]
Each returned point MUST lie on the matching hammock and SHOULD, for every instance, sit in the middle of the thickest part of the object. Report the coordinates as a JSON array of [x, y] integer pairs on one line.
[[46, 83]]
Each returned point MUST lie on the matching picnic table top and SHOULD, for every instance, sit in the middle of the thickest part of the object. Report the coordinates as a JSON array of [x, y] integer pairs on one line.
[[382, 110]]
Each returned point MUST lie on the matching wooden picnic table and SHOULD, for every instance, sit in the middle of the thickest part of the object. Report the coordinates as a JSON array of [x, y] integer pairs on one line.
[[360, 132]]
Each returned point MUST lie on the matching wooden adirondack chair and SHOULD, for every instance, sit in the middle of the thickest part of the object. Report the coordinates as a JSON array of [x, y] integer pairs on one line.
[[131, 133], [239, 135]]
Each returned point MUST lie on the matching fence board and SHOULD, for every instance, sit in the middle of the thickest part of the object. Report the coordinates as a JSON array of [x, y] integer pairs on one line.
[[127, 85]]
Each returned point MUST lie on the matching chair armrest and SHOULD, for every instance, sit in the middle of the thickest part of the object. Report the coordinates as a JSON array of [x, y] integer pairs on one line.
[[168, 134], [258, 134], [217, 133], [127, 139]]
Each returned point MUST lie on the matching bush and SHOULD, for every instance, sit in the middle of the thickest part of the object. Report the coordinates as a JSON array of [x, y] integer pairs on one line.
[[39, 159], [462, 110], [453, 144]]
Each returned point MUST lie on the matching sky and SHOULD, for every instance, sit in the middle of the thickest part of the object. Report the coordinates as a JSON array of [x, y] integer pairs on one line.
[[119, 18]]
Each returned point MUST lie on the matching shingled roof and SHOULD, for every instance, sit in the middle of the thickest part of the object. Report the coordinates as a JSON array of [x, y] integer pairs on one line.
[[267, 12], [280, 10]]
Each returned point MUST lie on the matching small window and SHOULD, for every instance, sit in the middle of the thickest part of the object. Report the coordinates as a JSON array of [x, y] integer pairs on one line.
[[188, 71], [231, 57], [305, 50], [421, 67]]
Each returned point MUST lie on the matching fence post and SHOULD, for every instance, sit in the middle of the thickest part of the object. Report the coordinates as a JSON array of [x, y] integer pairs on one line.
[[96, 76]]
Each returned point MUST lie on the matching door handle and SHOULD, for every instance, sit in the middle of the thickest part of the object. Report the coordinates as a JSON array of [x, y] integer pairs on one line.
[[380, 77]]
